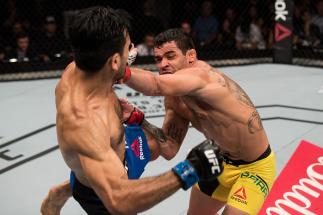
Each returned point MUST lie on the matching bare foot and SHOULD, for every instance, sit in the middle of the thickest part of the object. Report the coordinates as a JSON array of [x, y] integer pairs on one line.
[[55, 199]]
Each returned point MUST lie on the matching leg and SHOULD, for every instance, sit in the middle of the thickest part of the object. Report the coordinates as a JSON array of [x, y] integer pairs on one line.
[[201, 203], [229, 210], [247, 195], [56, 198]]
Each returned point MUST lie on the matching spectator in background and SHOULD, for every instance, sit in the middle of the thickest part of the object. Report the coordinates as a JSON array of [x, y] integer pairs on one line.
[[226, 36], [301, 28], [231, 16], [184, 10], [248, 35], [318, 19], [206, 26], [51, 42], [187, 29], [146, 22], [254, 16], [11, 33], [147, 47], [24, 51]]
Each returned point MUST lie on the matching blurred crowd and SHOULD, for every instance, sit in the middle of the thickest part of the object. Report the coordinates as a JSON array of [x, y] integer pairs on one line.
[[35, 30]]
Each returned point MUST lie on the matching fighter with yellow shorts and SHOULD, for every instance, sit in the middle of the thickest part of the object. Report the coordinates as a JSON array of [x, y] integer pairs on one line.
[[243, 185]]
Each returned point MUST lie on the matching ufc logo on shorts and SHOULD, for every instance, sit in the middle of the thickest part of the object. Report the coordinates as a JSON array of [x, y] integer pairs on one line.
[[213, 161]]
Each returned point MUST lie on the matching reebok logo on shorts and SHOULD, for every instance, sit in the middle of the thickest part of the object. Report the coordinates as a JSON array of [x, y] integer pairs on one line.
[[240, 195], [136, 147]]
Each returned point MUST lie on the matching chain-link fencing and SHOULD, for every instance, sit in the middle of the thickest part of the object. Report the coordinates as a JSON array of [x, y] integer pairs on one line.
[[34, 37]]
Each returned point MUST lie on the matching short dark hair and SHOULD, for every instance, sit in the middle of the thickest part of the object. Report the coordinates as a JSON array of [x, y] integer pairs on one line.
[[97, 33], [21, 35], [182, 40]]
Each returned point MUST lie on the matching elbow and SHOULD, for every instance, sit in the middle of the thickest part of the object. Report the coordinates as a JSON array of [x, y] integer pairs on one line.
[[169, 149], [170, 155], [119, 204], [154, 91], [120, 208]]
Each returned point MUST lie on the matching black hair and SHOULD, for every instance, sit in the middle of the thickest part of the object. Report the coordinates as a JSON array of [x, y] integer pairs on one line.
[[21, 35], [182, 40], [96, 34]]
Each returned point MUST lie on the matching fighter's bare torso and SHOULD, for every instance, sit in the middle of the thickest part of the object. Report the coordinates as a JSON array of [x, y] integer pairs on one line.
[[223, 112], [73, 104]]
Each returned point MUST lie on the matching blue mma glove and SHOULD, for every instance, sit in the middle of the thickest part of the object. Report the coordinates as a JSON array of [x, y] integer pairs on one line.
[[203, 162]]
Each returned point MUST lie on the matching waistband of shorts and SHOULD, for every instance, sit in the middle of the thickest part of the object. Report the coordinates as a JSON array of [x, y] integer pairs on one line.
[[242, 162]]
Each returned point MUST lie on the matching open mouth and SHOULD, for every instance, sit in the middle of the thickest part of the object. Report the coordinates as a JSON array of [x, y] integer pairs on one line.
[[165, 73]]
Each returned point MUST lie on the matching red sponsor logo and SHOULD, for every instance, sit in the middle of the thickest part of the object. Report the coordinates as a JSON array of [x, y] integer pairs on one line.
[[281, 32], [299, 187], [135, 147], [241, 193]]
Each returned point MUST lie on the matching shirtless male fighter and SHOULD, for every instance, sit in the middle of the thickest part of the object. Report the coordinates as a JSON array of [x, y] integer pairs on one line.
[[89, 128], [218, 107]]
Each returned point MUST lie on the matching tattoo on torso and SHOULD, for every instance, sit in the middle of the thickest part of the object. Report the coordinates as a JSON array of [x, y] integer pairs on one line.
[[238, 92], [254, 121]]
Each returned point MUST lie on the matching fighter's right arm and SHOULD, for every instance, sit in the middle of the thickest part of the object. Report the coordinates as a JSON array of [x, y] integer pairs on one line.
[[106, 175], [184, 82]]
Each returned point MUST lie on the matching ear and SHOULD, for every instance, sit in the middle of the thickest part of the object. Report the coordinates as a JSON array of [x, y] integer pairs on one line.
[[115, 62], [191, 56]]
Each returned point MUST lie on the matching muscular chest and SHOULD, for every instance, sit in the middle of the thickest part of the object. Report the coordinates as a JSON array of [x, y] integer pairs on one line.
[[187, 108]]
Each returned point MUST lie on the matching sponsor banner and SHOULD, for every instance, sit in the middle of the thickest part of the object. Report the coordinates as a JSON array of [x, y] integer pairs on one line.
[[283, 31], [299, 187]]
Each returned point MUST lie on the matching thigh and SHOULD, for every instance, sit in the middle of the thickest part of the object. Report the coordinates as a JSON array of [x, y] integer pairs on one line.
[[247, 194], [201, 203], [229, 210]]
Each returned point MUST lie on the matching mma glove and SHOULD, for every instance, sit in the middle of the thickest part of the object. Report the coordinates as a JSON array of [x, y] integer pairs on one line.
[[131, 114], [136, 117], [203, 162]]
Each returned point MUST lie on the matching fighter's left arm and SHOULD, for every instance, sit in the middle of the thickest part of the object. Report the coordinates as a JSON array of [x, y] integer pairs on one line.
[[155, 137], [183, 82]]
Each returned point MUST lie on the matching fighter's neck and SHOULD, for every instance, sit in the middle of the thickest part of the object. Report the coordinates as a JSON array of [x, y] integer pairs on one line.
[[98, 84], [199, 63]]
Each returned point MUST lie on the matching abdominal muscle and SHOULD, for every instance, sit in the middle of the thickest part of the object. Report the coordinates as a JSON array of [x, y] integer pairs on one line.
[[234, 141]]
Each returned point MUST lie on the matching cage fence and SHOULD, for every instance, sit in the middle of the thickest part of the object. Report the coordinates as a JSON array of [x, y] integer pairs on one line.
[[34, 33]]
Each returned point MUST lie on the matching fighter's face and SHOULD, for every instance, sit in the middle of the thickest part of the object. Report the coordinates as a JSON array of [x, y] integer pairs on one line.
[[124, 58], [169, 58]]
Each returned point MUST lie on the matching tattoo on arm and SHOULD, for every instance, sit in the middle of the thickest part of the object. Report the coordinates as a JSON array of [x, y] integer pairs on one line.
[[254, 123], [156, 132], [175, 132]]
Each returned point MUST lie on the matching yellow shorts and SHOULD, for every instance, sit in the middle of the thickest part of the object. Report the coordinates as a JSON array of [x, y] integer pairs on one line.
[[243, 186]]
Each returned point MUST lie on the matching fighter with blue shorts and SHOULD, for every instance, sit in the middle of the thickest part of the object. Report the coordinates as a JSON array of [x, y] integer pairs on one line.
[[137, 156]]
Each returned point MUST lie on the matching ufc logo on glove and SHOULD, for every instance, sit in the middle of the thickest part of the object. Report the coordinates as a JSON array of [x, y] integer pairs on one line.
[[213, 160]]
